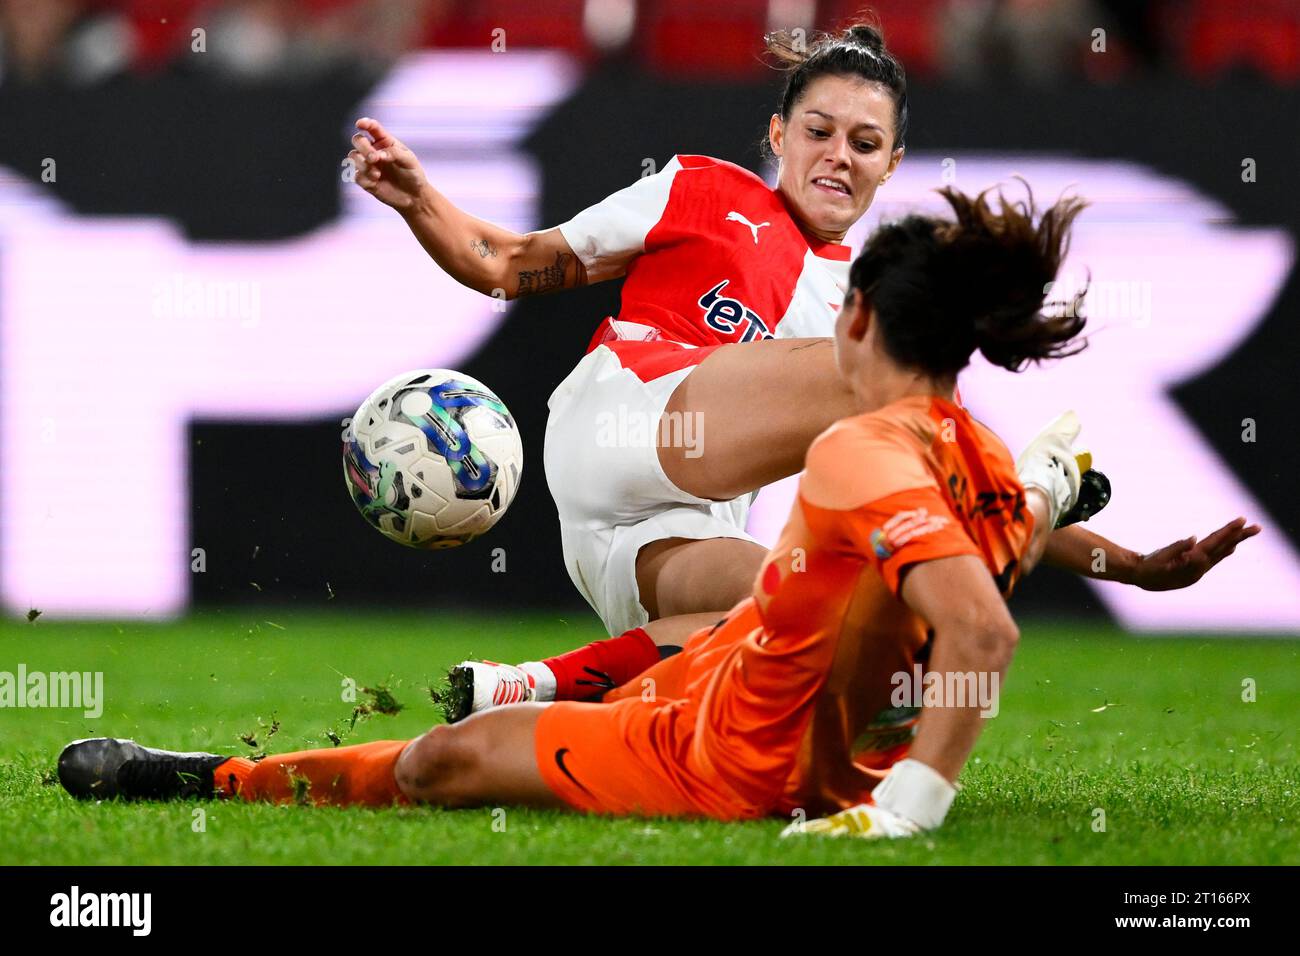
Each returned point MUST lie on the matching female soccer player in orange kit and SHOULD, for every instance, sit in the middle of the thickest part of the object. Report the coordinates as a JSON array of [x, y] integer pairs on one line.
[[910, 528], [729, 302]]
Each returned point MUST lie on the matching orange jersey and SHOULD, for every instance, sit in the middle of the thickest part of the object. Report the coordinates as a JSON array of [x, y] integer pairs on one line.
[[917, 481], [760, 714]]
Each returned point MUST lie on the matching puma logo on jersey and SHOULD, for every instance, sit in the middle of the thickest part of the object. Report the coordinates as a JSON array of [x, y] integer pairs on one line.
[[729, 316], [737, 217]]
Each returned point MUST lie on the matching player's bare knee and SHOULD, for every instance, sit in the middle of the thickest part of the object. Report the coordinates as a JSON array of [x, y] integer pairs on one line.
[[997, 642], [414, 766], [1010, 639], [432, 768]]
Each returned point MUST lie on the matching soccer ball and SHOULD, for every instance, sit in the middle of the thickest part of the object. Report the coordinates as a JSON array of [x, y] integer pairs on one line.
[[432, 458]]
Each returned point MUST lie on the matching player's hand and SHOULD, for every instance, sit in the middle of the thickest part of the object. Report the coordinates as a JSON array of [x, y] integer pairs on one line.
[[1185, 562], [385, 167], [1049, 464], [866, 821]]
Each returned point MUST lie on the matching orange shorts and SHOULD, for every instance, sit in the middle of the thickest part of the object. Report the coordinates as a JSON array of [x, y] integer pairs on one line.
[[692, 742], [627, 755], [598, 758]]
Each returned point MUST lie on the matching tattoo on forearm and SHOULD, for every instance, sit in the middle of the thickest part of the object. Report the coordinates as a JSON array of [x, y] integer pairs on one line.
[[549, 278], [483, 248]]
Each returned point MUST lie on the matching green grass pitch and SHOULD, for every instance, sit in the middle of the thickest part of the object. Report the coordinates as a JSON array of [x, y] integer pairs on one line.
[[1152, 731]]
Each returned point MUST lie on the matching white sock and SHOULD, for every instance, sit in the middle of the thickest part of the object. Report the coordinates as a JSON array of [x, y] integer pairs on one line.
[[916, 792], [544, 678]]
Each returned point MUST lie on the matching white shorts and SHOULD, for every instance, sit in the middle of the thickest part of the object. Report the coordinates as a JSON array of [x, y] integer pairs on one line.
[[602, 466]]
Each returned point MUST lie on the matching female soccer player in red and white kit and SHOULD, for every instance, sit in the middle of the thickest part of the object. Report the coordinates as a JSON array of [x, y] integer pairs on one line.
[[720, 356]]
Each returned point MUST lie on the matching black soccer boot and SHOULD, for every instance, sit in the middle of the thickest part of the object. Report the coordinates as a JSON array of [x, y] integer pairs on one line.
[[101, 768]]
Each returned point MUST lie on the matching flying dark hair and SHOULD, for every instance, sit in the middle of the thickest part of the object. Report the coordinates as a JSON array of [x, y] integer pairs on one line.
[[859, 51], [942, 289]]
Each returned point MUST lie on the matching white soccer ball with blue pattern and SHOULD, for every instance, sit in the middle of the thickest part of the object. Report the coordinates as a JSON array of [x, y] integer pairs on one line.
[[432, 458]]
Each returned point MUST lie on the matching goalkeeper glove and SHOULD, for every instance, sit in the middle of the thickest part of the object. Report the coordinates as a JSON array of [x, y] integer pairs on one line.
[[1049, 464], [865, 820], [912, 797]]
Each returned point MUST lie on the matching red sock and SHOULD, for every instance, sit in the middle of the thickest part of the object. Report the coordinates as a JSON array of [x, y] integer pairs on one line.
[[602, 665], [361, 775]]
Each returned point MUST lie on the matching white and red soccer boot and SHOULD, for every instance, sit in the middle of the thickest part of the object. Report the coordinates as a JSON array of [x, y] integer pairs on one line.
[[475, 686]]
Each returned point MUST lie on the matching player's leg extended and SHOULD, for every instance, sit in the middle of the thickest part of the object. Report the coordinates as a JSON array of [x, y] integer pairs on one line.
[[358, 775], [755, 408], [109, 768], [488, 759]]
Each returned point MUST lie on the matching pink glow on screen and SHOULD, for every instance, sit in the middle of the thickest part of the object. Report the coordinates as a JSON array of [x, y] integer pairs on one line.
[[117, 332], [1176, 287]]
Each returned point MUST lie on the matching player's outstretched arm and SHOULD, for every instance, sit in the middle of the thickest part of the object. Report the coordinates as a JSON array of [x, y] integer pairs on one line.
[[1177, 565], [477, 254], [1050, 465]]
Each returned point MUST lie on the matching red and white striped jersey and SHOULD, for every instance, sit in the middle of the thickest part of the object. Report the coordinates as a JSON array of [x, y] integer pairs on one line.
[[711, 255]]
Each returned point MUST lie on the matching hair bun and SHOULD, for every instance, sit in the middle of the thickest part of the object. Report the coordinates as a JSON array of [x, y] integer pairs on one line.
[[866, 35]]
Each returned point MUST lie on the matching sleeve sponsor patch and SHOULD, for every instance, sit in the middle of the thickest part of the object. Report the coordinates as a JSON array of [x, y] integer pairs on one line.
[[903, 527]]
